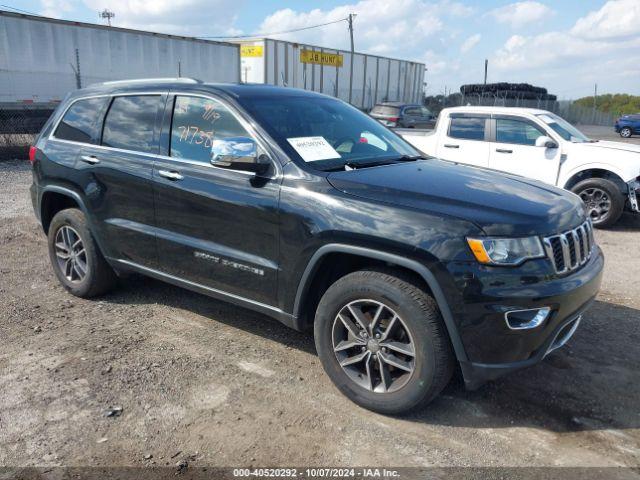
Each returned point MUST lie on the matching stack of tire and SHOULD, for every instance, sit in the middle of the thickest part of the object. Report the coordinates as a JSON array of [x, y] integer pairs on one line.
[[522, 91]]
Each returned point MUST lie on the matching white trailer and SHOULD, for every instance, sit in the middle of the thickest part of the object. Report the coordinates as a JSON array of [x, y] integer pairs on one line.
[[362, 81], [41, 59]]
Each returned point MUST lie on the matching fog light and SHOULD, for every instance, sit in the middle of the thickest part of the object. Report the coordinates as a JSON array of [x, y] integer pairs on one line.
[[526, 319]]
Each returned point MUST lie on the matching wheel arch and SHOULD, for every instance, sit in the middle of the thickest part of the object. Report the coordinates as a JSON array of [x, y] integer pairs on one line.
[[362, 256], [55, 198], [604, 173]]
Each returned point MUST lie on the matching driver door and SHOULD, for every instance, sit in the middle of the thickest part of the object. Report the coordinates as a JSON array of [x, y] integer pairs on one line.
[[217, 227], [514, 150]]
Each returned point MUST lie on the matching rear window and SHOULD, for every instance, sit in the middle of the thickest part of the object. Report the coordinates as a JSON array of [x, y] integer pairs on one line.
[[470, 128], [385, 110], [80, 121], [130, 123]]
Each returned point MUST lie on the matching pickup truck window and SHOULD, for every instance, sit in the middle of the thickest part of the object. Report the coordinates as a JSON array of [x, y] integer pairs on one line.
[[130, 122], [516, 131], [469, 128], [351, 137], [79, 121], [563, 128], [196, 122]]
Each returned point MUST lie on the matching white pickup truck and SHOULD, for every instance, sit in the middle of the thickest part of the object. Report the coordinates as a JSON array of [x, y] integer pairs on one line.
[[543, 146]]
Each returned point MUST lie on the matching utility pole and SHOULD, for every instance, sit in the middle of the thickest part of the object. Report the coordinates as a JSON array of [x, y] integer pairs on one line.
[[107, 15], [350, 21], [486, 67]]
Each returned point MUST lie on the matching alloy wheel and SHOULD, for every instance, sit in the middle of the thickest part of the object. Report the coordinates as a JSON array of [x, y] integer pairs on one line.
[[70, 254], [373, 346], [598, 203]]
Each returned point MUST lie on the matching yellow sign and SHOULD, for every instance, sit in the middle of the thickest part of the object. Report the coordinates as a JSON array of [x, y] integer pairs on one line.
[[251, 50], [321, 58]]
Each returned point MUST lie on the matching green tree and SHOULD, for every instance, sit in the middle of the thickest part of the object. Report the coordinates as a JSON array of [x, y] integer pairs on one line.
[[616, 104]]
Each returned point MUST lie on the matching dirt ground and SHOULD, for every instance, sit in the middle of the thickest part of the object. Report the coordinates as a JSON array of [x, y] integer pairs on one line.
[[217, 385]]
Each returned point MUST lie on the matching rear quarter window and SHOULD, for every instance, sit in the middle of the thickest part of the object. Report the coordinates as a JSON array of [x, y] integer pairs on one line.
[[79, 122]]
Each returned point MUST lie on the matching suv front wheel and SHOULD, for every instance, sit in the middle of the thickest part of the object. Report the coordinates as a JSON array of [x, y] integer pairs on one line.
[[381, 340], [75, 257]]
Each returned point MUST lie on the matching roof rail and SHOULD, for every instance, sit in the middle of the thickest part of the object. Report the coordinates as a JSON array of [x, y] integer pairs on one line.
[[149, 80]]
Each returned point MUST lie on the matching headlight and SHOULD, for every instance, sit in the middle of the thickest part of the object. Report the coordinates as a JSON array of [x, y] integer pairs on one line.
[[505, 251]]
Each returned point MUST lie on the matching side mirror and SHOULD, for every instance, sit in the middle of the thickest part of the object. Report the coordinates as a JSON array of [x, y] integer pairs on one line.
[[546, 142], [239, 153]]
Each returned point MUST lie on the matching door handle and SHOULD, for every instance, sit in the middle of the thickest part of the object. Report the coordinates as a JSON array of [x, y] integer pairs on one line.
[[90, 159], [449, 145], [503, 150], [170, 175]]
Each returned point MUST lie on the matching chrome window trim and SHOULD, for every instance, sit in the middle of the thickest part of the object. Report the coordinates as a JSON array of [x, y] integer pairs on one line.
[[246, 125]]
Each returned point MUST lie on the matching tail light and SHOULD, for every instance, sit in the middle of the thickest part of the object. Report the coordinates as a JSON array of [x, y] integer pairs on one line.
[[32, 154], [393, 119]]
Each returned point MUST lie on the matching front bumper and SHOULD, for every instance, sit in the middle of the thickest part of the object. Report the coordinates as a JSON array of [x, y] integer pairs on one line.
[[634, 194], [492, 348]]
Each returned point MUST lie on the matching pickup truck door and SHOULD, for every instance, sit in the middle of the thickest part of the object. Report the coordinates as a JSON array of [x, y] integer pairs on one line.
[[513, 149], [217, 228], [464, 139]]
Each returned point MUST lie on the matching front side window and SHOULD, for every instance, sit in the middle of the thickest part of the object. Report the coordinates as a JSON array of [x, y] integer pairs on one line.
[[326, 133], [469, 128], [130, 123], [563, 128], [412, 111], [516, 131], [197, 122], [79, 121]]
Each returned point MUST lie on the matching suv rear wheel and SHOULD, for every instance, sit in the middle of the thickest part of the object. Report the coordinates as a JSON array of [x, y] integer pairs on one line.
[[382, 342], [603, 200], [76, 260]]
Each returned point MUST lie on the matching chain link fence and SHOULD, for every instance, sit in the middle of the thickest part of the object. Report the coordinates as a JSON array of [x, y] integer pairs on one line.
[[568, 110], [19, 125]]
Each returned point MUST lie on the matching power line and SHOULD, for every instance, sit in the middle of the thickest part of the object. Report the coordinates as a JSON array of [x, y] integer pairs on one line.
[[276, 33], [20, 10]]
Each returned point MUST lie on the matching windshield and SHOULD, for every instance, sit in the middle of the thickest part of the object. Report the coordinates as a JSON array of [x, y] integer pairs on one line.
[[327, 133], [563, 128]]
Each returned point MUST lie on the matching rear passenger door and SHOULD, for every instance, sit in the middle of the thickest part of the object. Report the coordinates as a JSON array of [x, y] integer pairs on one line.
[[217, 227], [466, 139], [118, 175], [411, 117]]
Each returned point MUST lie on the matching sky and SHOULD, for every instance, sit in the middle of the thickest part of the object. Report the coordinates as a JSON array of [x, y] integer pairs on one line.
[[566, 46]]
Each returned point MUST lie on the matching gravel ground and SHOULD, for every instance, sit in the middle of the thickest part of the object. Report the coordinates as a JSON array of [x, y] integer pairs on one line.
[[217, 385]]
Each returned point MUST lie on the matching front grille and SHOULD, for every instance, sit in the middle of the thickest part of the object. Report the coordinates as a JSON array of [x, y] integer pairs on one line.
[[570, 250]]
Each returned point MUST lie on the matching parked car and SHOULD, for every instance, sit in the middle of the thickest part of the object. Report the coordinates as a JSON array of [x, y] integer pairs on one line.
[[628, 125], [540, 145], [401, 115], [299, 206]]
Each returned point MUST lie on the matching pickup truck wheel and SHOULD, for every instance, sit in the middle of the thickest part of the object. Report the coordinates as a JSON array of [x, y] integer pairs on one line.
[[75, 257], [625, 132], [382, 342], [603, 199]]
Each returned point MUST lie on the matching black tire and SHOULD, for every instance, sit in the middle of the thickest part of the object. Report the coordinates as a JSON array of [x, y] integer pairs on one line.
[[99, 277], [585, 189], [434, 361], [625, 132]]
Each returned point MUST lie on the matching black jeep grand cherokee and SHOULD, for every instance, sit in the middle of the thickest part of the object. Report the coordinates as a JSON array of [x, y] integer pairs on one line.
[[301, 207]]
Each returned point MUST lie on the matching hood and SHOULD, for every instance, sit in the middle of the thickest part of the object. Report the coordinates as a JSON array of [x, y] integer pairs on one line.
[[624, 147], [499, 204]]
